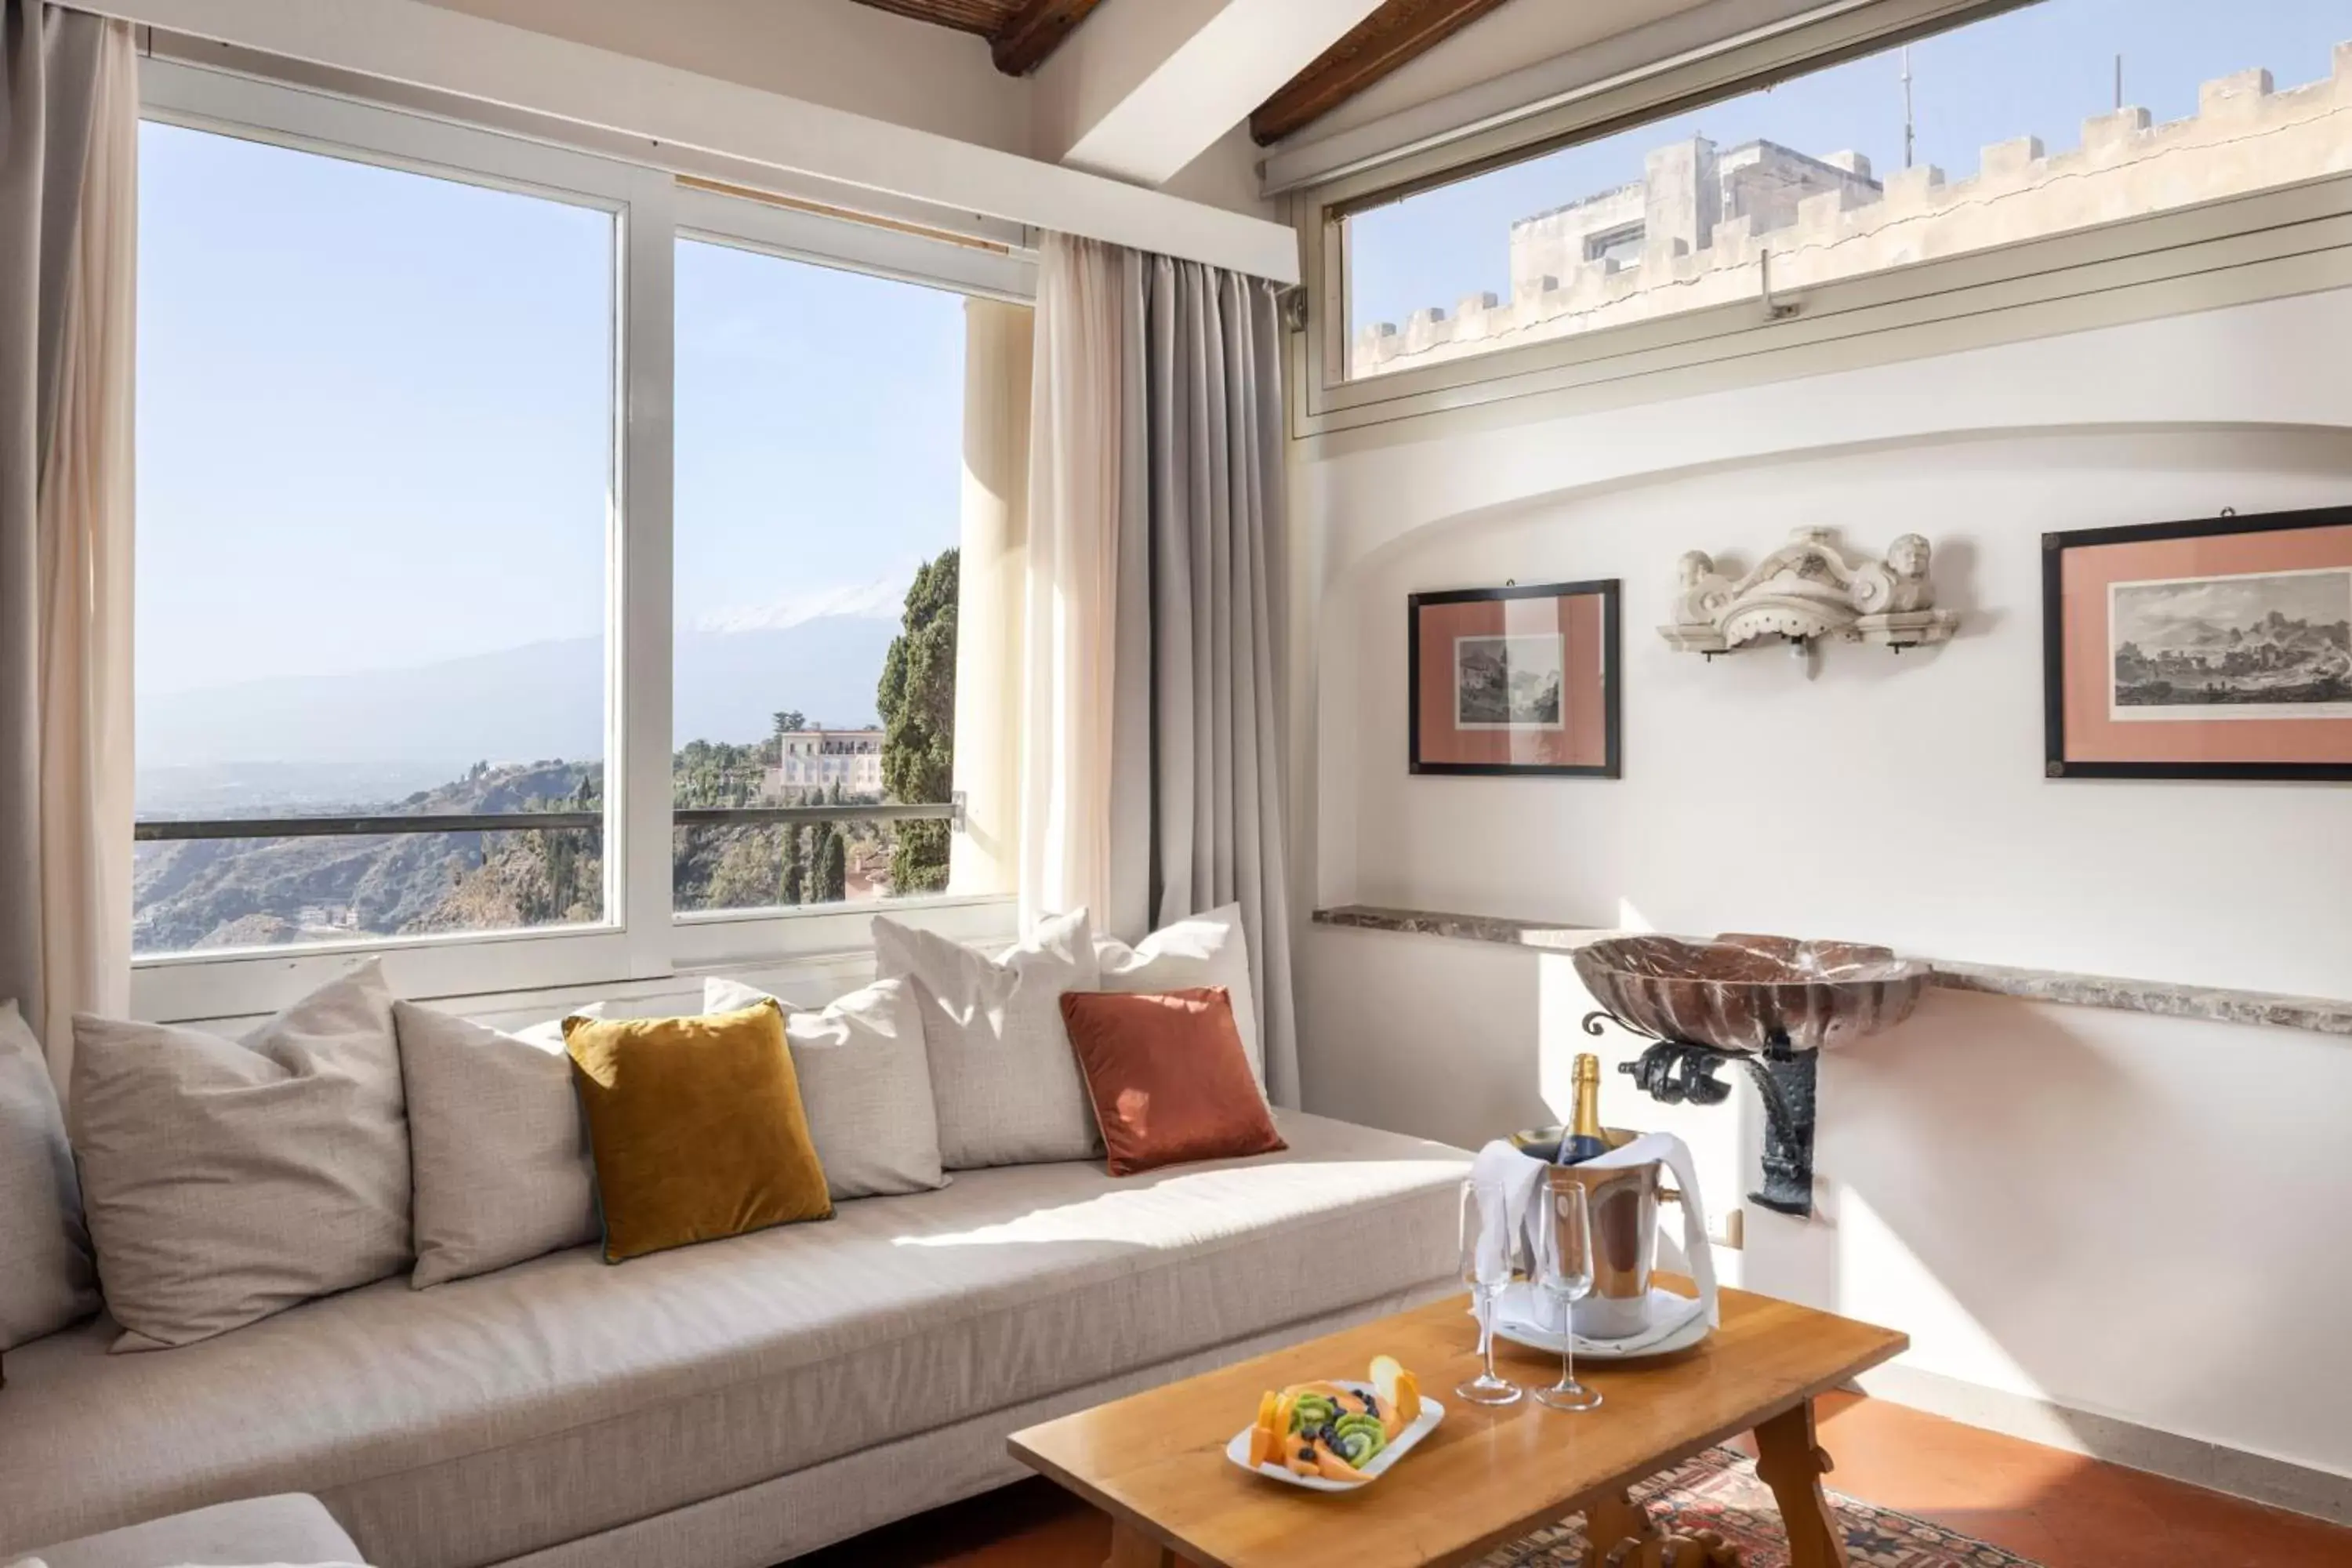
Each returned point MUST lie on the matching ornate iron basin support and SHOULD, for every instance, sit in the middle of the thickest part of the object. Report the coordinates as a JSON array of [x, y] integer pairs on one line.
[[1676, 1072]]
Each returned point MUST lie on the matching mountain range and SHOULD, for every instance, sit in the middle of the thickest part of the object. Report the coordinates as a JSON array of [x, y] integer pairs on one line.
[[2274, 629], [378, 734]]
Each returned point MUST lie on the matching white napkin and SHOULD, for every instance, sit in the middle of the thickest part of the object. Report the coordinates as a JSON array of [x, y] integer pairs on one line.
[[1676, 1156], [1504, 1181]]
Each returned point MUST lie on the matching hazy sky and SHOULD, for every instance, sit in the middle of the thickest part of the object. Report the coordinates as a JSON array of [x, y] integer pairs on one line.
[[2037, 72], [375, 408], [376, 421]]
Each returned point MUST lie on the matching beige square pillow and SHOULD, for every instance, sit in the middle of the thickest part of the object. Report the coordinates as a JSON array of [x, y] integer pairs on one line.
[[46, 1278], [1006, 1085], [1197, 952], [500, 1153], [865, 1081], [227, 1180]]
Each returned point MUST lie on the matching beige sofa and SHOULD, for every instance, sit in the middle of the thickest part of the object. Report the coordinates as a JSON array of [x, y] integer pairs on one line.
[[738, 1403]]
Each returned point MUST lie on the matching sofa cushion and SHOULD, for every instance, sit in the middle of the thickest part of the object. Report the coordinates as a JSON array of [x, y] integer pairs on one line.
[[47, 1280], [495, 1137], [1168, 1076], [1201, 950], [1006, 1087], [866, 1084], [497, 1415], [697, 1128], [290, 1528], [284, 1174]]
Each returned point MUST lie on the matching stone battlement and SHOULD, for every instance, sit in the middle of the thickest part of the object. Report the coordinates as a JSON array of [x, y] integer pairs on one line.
[[1695, 232]]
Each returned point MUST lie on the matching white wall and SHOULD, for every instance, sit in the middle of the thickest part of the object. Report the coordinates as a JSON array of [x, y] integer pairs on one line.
[[2127, 1215]]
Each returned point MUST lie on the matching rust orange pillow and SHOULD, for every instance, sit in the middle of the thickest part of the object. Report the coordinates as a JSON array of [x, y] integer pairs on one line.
[[1169, 1080], [695, 1126]]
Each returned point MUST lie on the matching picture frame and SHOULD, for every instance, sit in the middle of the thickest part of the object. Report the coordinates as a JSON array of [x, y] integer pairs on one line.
[[2213, 648], [1516, 680]]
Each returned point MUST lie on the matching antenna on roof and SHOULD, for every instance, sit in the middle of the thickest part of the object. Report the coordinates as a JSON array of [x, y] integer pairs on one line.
[[1909, 137], [2119, 81]]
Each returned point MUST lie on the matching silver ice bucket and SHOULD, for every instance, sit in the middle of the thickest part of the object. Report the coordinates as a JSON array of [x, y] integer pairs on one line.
[[1622, 1204]]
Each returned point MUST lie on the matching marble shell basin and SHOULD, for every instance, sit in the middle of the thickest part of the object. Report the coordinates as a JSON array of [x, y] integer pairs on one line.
[[1738, 991]]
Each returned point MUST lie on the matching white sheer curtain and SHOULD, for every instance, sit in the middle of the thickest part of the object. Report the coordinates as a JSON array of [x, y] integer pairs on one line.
[[68, 229], [1070, 580]]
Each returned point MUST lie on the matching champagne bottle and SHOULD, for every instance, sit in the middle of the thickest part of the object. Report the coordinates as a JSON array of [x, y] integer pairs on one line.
[[1584, 1138]]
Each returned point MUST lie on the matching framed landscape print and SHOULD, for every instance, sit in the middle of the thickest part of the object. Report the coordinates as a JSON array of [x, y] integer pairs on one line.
[[2214, 649], [1515, 680]]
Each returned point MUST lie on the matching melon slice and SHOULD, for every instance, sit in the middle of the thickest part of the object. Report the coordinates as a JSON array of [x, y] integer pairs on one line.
[[1398, 1389], [1264, 1445]]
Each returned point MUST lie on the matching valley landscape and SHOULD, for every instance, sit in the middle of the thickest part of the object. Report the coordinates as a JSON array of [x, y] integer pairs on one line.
[[2281, 643], [519, 731]]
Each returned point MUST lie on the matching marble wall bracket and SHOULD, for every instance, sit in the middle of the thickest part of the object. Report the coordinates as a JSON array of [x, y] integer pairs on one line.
[[1680, 1072], [1809, 589]]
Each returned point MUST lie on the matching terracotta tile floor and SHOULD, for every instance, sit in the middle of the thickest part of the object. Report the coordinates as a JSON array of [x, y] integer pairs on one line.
[[2059, 1509]]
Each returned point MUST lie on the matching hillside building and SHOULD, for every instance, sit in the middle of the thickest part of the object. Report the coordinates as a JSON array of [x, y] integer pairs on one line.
[[810, 763]]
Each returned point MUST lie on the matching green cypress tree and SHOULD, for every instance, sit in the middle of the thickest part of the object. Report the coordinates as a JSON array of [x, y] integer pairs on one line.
[[830, 866], [795, 866], [917, 700]]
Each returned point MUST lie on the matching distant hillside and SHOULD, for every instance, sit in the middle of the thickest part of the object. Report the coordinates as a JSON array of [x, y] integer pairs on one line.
[[543, 700], [204, 893], [2274, 629]]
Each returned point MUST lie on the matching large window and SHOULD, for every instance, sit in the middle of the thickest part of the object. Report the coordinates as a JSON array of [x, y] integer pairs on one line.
[[546, 566], [820, 465], [2049, 120], [375, 492]]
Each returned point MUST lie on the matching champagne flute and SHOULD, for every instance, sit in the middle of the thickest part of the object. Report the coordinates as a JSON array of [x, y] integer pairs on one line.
[[1485, 1268], [1564, 1276]]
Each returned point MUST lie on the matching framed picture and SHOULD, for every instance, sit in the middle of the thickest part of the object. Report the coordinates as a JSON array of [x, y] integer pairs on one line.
[[2214, 649], [1515, 680]]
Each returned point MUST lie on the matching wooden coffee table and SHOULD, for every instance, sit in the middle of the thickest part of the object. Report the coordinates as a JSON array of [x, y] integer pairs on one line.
[[1156, 1462]]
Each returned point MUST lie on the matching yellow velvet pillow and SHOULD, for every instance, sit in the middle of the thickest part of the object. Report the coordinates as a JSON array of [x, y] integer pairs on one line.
[[696, 1127]]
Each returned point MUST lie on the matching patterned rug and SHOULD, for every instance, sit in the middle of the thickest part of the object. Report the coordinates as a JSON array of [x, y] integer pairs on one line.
[[1718, 1490]]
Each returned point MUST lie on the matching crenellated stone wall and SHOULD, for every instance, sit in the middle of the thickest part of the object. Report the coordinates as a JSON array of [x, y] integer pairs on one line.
[[1707, 220]]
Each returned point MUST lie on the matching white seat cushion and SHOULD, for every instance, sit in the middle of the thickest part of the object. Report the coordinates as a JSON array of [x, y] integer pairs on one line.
[[47, 1280], [226, 1180], [865, 1081], [497, 1415], [1004, 1080], [1201, 950], [498, 1150]]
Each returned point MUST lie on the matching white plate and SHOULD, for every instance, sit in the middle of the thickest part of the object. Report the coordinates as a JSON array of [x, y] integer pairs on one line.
[[1431, 1412], [1520, 1320]]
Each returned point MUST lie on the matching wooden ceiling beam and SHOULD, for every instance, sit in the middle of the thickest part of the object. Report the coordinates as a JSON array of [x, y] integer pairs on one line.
[[982, 16], [1036, 31], [1400, 31]]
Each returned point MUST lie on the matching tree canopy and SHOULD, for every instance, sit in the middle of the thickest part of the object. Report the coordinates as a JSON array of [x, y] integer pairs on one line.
[[916, 701]]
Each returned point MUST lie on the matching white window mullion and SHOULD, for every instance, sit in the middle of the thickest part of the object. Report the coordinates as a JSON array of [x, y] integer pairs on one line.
[[641, 573]]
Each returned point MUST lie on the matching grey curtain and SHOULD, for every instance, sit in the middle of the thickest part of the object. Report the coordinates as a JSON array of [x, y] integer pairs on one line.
[[1198, 767], [49, 80]]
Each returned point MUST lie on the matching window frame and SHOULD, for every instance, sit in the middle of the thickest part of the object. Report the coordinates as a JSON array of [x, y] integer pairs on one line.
[[2289, 240], [642, 938]]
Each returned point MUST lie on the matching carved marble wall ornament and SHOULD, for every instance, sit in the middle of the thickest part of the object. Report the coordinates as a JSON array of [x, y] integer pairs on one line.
[[1808, 589]]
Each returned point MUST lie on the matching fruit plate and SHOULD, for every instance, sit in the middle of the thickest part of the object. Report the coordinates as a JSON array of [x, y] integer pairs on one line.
[[1422, 1425]]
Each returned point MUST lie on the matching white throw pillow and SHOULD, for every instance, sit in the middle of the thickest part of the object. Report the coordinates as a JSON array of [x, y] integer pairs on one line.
[[1002, 1073], [502, 1165], [866, 1082], [1197, 950], [227, 1180], [46, 1278]]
